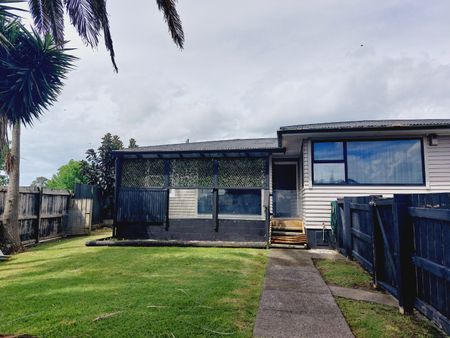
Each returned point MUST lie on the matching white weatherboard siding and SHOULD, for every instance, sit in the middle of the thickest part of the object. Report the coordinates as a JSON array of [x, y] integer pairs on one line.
[[316, 199], [439, 165], [183, 203]]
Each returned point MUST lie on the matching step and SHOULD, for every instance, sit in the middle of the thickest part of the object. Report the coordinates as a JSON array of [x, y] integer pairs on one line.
[[297, 239], [287, 233], [287, 224], [277, 228], [288, 246]]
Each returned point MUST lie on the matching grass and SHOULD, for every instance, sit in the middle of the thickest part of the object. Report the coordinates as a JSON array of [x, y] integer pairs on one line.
[[65, 289], [344, 273], [374, 320], [369, 319]]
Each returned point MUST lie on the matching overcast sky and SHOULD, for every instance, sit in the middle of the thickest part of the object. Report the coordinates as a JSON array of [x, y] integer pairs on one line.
[[248, 67]]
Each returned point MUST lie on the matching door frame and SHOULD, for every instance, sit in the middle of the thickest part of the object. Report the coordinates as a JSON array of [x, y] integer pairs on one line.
[[288, 161]]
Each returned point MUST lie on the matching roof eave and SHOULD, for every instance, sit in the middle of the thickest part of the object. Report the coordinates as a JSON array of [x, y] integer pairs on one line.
[[359, 129], [192, 152]]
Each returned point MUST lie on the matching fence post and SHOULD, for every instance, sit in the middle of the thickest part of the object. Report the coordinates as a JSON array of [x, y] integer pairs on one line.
[[166, 216], [403, 233], [117, 184], [39, 208], [375, 241], [215, 209], [347, 227]]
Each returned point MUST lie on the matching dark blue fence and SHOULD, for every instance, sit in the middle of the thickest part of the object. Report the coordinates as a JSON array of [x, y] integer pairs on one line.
[[404, 242], [144, 206]]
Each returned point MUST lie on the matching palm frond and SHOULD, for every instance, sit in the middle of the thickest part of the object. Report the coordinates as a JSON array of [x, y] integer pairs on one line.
[[40, 16], [8, 11], [48, 17], [82, 17], [31, 74], [173, 20], [100, 13], [55, 13]]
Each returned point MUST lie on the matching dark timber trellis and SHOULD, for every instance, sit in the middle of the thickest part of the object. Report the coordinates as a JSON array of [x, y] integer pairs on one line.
[[143, 184], [404, 242]]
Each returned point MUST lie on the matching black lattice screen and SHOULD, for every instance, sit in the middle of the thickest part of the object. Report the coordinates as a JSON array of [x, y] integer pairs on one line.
[[195, 173], [191, 173], [139, 173], [242, 173]]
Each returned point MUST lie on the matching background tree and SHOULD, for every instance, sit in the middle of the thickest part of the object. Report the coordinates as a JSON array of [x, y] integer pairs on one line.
[[39, 182], [67, 176], [98, 168], [132, 143], [32, 68], [90, 19]]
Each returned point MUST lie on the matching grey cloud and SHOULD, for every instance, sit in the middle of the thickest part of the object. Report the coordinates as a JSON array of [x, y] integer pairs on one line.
[[248, 68]]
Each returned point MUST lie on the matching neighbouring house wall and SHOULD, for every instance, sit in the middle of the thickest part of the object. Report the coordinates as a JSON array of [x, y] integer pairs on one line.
[[316, 199]]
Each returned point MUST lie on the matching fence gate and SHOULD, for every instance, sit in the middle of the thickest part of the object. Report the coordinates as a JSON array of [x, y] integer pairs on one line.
[[385, 247], [80, 217], [359, 234], [93, 192]]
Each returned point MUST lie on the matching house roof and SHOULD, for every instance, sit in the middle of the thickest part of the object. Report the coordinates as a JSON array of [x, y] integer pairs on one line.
[[368, 125], [267, 144]]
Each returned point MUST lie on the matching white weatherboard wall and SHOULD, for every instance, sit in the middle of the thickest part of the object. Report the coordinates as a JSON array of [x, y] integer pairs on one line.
[[316, 199], [183, 203]]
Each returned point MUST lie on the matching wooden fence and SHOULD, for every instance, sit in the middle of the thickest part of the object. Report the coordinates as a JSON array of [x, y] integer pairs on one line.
[[42, 213], [91, 192], [404, 242]]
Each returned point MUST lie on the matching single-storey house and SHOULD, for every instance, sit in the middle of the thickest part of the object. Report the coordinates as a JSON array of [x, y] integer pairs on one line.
[[274, 190]]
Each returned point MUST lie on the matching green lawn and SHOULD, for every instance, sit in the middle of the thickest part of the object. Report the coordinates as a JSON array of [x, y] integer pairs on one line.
[[64, 289], [343, 273], [370, 320]]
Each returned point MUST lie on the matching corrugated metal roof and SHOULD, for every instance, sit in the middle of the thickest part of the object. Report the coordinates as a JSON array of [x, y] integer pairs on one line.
[[222, 145], [370, 124]]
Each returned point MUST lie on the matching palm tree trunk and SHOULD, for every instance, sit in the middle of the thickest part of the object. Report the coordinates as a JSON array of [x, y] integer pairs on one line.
[[11, 231]]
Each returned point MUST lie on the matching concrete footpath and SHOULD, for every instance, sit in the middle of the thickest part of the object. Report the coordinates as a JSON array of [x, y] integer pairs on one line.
[[295, 301]]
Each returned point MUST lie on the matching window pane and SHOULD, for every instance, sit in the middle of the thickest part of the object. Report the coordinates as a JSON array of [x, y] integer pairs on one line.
[[240, 202], [329, 173], [328, 151], [385, 162], [204, 201], [231, 202]]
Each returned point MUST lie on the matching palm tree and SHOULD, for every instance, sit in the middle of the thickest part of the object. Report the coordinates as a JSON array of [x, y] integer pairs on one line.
[[90, 19], [7, 12], [32, 68]]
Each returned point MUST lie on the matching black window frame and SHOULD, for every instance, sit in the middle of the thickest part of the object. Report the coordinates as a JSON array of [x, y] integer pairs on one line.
[[344, 161]]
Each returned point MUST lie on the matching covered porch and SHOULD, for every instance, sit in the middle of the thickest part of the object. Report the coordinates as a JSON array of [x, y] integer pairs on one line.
[[286, 224]]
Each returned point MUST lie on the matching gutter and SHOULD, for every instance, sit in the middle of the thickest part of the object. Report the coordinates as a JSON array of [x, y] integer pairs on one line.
[[337, 130], [131, 152]]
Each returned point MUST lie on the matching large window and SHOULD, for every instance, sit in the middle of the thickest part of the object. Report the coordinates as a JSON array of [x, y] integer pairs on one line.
[[374, 162], [231, 201]]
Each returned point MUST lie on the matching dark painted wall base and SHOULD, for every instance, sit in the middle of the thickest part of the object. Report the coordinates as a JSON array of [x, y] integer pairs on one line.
[[197, 230], [318, 238]]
